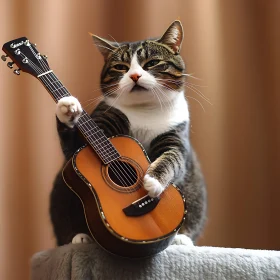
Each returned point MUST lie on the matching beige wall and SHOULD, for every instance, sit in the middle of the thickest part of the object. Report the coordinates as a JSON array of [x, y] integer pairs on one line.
[[232, 46]]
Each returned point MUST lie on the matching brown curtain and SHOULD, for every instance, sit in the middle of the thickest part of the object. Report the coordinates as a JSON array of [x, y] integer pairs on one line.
[[231, 46]]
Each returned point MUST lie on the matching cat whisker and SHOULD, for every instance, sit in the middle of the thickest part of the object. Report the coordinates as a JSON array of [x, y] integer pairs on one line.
[[197, 101], [191, 87], [119, 95], [183, 82], [114, 40], [191, 76], [104, 47], [110, 90], [166, 86], [157, 98], [200, 94], [195, 84], [110, 85], [177, 83], [104, 87], [166, 97], [168, 105], [93, 100]]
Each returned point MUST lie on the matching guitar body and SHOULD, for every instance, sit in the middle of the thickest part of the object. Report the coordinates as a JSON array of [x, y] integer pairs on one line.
[[107, 176], [123, 219]]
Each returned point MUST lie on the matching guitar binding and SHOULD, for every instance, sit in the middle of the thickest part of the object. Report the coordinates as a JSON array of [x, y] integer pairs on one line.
[[100, 210], [125, 184]]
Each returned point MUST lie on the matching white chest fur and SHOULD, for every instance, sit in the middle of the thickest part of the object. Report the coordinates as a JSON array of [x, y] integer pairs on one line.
[[148, 122]]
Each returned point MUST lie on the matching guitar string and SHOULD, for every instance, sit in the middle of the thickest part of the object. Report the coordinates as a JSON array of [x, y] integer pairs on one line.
[[46, 68], [68, 94], [114, 162], [57, 96], [117, 166], [87, 136], [131, 182]]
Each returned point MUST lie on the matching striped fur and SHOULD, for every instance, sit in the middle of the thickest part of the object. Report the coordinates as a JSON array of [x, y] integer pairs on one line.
[[156, 114]]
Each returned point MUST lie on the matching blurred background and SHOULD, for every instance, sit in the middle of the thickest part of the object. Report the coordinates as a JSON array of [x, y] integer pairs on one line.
[[232, 47]]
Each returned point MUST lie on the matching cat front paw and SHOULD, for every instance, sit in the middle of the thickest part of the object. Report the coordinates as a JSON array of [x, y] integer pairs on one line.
[[68, 110], [81, 238], [182, 239], [152, 186]]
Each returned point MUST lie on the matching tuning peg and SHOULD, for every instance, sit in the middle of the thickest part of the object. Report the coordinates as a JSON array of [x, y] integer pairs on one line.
[[16, 71], [4, 57], [10, 64], [45, 56]]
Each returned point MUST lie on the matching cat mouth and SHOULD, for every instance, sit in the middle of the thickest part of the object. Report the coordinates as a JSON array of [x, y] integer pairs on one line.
[[138, 88]]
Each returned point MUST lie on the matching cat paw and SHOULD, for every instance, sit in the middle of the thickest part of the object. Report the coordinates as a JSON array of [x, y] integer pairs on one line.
[[182, 239], [152, 186], [81, 238], [68, 110]]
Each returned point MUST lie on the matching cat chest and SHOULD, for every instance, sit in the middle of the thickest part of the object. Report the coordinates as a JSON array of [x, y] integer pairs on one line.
[[145, 135], [145, 129]]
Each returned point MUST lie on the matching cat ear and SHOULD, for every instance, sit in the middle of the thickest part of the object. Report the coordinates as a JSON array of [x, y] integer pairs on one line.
[[104, 46], [173, 36]]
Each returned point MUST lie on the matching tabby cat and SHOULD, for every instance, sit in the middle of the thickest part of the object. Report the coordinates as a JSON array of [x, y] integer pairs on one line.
[[143, 88]]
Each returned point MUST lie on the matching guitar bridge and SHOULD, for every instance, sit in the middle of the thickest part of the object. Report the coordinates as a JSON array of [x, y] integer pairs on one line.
[[141, 206]]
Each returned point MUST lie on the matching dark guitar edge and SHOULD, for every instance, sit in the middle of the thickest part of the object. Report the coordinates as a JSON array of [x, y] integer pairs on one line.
[[101, 213], [120, 246], [100, 233], [112, 245]]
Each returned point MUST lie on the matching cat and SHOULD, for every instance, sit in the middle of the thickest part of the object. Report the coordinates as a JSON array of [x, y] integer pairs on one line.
[[143, 88]]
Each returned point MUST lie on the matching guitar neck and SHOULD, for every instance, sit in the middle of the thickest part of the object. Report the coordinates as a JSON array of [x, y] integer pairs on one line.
[[89, 129]]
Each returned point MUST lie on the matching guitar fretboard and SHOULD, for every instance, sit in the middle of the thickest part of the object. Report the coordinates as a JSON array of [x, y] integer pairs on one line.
[[92, 133]]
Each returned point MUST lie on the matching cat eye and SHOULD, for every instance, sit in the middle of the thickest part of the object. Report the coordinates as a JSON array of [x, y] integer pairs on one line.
[[121, 67], [151, 63]]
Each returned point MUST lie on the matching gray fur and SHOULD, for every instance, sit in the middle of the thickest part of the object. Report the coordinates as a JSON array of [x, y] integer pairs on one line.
[[172, 156], [177, 262]]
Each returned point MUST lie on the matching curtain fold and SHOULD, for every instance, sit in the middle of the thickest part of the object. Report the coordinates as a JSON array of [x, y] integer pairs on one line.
[[232, 50]]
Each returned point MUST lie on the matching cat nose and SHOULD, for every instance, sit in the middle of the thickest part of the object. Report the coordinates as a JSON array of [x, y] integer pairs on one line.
[[135, 77]]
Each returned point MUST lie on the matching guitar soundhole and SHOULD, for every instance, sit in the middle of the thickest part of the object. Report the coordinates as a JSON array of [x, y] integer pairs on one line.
[[122, 174]]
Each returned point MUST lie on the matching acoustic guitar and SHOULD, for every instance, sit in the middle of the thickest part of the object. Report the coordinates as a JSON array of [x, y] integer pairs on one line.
[[107, 176]]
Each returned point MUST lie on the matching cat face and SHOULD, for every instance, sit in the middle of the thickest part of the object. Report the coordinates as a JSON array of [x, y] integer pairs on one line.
[[144, 72]]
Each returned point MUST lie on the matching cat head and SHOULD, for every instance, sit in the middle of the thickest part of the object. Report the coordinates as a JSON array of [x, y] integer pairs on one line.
[[144, 72]]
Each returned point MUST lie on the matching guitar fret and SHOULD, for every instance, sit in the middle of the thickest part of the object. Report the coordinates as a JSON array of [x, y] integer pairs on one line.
[[92, 129], [57, 89], [84, 122], [58, 81], [99, 138], [105, 147], [108, 157], [96, 137], [84, 115], [92, 133], [91, 136]]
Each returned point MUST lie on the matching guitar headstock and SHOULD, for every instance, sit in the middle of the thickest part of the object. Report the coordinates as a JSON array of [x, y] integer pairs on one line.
[[25, 55]]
